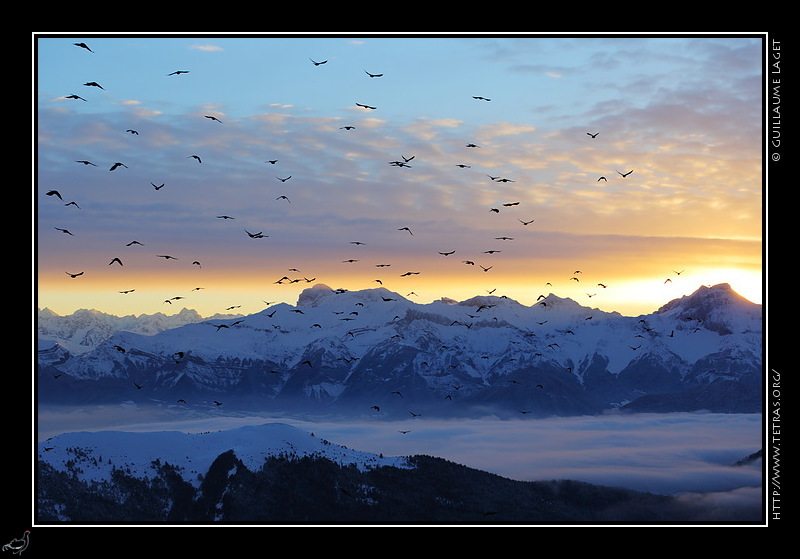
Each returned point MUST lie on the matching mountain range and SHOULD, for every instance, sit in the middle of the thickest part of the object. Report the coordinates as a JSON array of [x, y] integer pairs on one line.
[[375, 353]]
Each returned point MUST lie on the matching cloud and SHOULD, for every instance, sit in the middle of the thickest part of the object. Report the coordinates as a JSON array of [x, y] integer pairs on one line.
[[207, 48], [673, 454]]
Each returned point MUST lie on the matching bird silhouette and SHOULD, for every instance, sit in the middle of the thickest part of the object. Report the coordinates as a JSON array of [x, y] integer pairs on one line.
[[65, 231], [85, 162], [346, 127], [213, 118], [405, 229], [133, 132], [592, 135], [94, 84], [373, 75], [284, 180], [526, 222], [73, 96], [178, 72], [74, 275], [166, 256], [117, 165], [625, 174], [196, 157], [18, 545], [320, 63], [365, 106], [480, 98], [83, 46], [117, 260], [54, 193]]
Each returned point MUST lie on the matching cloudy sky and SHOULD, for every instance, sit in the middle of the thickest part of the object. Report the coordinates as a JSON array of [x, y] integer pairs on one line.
[[684, 114]]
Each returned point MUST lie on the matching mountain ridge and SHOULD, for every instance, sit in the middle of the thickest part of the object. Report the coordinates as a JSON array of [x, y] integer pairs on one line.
[[360, 349]]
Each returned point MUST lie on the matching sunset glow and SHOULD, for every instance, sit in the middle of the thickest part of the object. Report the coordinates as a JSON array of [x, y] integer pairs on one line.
[[499, 190]]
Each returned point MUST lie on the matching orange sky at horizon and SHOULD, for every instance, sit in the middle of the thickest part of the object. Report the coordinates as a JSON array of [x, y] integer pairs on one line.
[[636, 281]]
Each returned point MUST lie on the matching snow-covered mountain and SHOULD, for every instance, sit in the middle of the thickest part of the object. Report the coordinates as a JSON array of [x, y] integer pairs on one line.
[[375, 352], [94, 456], [85, 329]]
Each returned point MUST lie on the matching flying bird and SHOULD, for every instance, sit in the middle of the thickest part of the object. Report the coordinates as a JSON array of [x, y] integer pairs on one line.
[[94, 84], [73, 96], [320, 63], [373, 75], [116, 165], [405, 229], [196, 157], [166, 256], [213, 118], [284, 180], [480, 98], [85, 162], [65, 231], [74, 275], [526, 222], [158, 187], [131, 131], [592, 135], [365, 106], [117, 260], [346, 127], [602, 179], [53, 193], [178, 72], [625, 174], [83, 46]]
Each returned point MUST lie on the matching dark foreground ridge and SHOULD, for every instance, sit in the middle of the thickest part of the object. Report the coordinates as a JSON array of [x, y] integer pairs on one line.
[[289, 490]]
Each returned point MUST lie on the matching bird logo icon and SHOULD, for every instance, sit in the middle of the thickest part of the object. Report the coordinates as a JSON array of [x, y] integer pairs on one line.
[[18, 545]]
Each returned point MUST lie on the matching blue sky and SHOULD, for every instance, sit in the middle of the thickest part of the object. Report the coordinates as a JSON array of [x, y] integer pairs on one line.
[[684, 113]]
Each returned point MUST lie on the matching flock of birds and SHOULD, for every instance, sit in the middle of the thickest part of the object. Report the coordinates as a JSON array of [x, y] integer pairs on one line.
[[403, 162]]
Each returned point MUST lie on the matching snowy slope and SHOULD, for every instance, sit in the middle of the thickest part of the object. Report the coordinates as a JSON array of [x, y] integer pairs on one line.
[[95, 454], [353, 346]]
